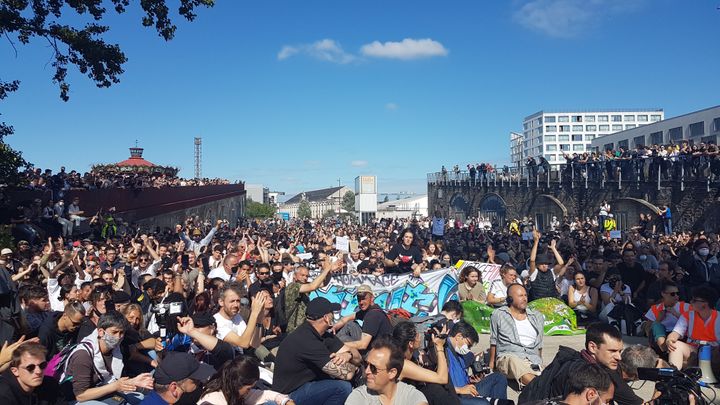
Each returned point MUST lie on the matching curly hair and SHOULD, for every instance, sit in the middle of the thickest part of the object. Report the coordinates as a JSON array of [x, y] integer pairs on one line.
[[466, 272], [235, 374]]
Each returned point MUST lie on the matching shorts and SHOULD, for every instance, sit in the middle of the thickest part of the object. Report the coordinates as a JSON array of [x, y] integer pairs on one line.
[[514, 367]]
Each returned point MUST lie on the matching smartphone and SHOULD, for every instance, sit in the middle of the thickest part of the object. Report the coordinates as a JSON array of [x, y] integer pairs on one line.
[[206, 265], [185, 261]]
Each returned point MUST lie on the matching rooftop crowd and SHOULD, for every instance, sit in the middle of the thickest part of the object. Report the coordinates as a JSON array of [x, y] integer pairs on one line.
[[211, 313]]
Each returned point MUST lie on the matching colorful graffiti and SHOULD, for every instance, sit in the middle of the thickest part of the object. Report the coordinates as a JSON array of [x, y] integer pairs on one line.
[[419, 296]]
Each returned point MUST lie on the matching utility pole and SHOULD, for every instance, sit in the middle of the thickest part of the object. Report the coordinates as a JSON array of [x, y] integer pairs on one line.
[[339, 204], [198, 158]]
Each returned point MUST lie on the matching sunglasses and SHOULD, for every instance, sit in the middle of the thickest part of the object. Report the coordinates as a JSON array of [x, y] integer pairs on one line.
[[31, 367], [373, 368], [673, 293], [263, 273], [697, 300]]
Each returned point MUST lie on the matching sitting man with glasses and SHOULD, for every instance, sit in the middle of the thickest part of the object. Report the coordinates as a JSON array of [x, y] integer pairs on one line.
[[663, 316], [25, 383], [382, 369], [700, 325]]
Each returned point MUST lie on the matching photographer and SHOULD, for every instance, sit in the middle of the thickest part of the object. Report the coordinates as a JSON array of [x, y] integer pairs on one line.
[[589, 384]]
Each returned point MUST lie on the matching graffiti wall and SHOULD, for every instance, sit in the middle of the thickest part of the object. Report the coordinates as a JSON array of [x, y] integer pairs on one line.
[[419, 296]]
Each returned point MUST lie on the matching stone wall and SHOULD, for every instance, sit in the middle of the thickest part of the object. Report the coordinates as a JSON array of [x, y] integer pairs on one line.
[[694, 205]]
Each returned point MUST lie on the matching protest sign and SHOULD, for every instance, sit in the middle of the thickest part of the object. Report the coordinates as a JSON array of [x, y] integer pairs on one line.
[[342, 244]]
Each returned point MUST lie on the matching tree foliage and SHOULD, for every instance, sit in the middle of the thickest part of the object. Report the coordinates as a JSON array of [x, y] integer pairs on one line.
[[304, 210], [258, 210], [348, 201]]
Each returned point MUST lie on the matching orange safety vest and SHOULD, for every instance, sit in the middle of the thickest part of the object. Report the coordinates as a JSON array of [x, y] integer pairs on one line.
[[656, 309], [699, 330]]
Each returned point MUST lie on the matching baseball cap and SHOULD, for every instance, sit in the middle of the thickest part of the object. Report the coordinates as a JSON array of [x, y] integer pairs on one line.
[[203, 319], [542, 259], [364, 289], [319, 307], [6, 251], [177, 366]]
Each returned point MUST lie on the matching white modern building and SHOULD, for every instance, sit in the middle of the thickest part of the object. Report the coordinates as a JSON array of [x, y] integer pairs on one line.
[[517, 151], [696, 127], [366, 198], [411, 207], [555, 133], [320, 202], [257, 193]]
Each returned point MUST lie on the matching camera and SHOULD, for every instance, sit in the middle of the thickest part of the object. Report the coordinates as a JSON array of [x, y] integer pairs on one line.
[[478, 367], [166, 315], [674, 386]]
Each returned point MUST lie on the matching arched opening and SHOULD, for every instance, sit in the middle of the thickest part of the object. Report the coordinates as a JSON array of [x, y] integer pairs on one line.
[[494, 209], [459, 207], [544, 208], [627, 210]]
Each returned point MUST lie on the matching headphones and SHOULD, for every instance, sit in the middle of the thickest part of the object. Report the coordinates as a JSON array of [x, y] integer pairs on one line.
[[508, 298]]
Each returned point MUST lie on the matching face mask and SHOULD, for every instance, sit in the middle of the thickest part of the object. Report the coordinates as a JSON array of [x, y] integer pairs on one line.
[[111, 341], [643, 257], [462, 350], [703, 251], [601, 250]]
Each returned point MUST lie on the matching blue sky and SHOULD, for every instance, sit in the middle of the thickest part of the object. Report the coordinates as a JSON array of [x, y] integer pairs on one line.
[[296, 94]]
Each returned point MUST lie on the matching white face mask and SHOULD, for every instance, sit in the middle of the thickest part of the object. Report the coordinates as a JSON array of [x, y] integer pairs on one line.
[[703, 252], [462, 350], [643, 257], [111, 341]]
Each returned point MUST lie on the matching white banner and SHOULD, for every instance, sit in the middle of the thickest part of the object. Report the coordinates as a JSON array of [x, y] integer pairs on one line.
[[489, 272], [419, 296]]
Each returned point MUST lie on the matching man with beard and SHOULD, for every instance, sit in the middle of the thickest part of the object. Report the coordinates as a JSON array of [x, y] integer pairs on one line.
[[198, 242], [35, 305], [231, 327], [263, 282]]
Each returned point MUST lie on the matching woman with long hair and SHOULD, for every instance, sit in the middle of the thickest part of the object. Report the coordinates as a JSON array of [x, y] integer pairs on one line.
[[405, 256], [234, 382], [137, 342], [471, 286], [583, 299]]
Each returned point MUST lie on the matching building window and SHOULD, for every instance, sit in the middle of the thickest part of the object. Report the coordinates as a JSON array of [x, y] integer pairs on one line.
[[588, 147], [656, 138], [630, 126], [616, 118], [716, 125], [579, 147], [639, 141], [709, 139], [604, 127], [589, 118], [623, 144], [577, 138], [654, 118], [551, 148], [564, 128], [550, 128], [589, 137], [577, 118], [629, 118], [549, 118], [675, 134], [563, 118], [564, 138], [602, 118], [591, 127], [564, 147], [609, 146], [577, 128], [617, 127], [550, 158], [549, 138], [697, 129], [642, 118]]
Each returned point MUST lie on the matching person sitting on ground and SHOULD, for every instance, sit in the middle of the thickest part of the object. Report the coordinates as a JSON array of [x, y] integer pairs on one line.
[[178, 375], [699, 324], [235, 384], [662, 317], [24, 383], [60, 328], [312, 366], [297, 293], [516, 338], [498, 289], [589, 384], [231, 327], [583, 299], [375, 322], [471, 285], [383, 369], [472, 389]]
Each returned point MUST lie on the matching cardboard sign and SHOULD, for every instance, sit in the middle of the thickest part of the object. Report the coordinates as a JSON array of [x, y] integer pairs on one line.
[[342, 243]]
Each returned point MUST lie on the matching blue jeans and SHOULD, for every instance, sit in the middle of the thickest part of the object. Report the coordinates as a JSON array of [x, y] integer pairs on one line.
[[668, 226], [323, 392], [493, 386]]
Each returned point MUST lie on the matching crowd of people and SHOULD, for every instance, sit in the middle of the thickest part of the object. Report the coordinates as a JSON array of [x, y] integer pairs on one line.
[[216, 313], [63, 181]]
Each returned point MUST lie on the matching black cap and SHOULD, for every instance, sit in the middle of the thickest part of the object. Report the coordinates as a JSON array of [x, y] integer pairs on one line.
[[120, 297], [177, 366], [542, 259], [203, 319], [319, 307]]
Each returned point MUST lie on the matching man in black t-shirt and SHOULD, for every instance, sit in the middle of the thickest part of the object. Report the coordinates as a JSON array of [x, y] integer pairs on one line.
[[405, 256], [375, 322], [634, 275], [61, 328], [313, 366]]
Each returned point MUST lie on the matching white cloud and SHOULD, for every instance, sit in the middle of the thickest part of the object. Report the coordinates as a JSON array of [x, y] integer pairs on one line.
[[359, 163], [391, 106], [406, 49], [327, 50], [569, 18]]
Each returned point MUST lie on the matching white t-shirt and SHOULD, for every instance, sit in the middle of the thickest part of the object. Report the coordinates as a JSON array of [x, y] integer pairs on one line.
[[151, 270], [54, 295], [218, 273], [224, 326], [526, 332], [605, 288]]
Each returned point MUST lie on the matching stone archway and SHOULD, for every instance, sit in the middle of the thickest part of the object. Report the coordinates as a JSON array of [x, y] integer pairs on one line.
[[543, 208], [459, 207], [493, 207], [627, 210]]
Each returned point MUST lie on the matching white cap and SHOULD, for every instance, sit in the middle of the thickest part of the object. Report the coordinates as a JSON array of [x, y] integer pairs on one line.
[[6, 251]]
